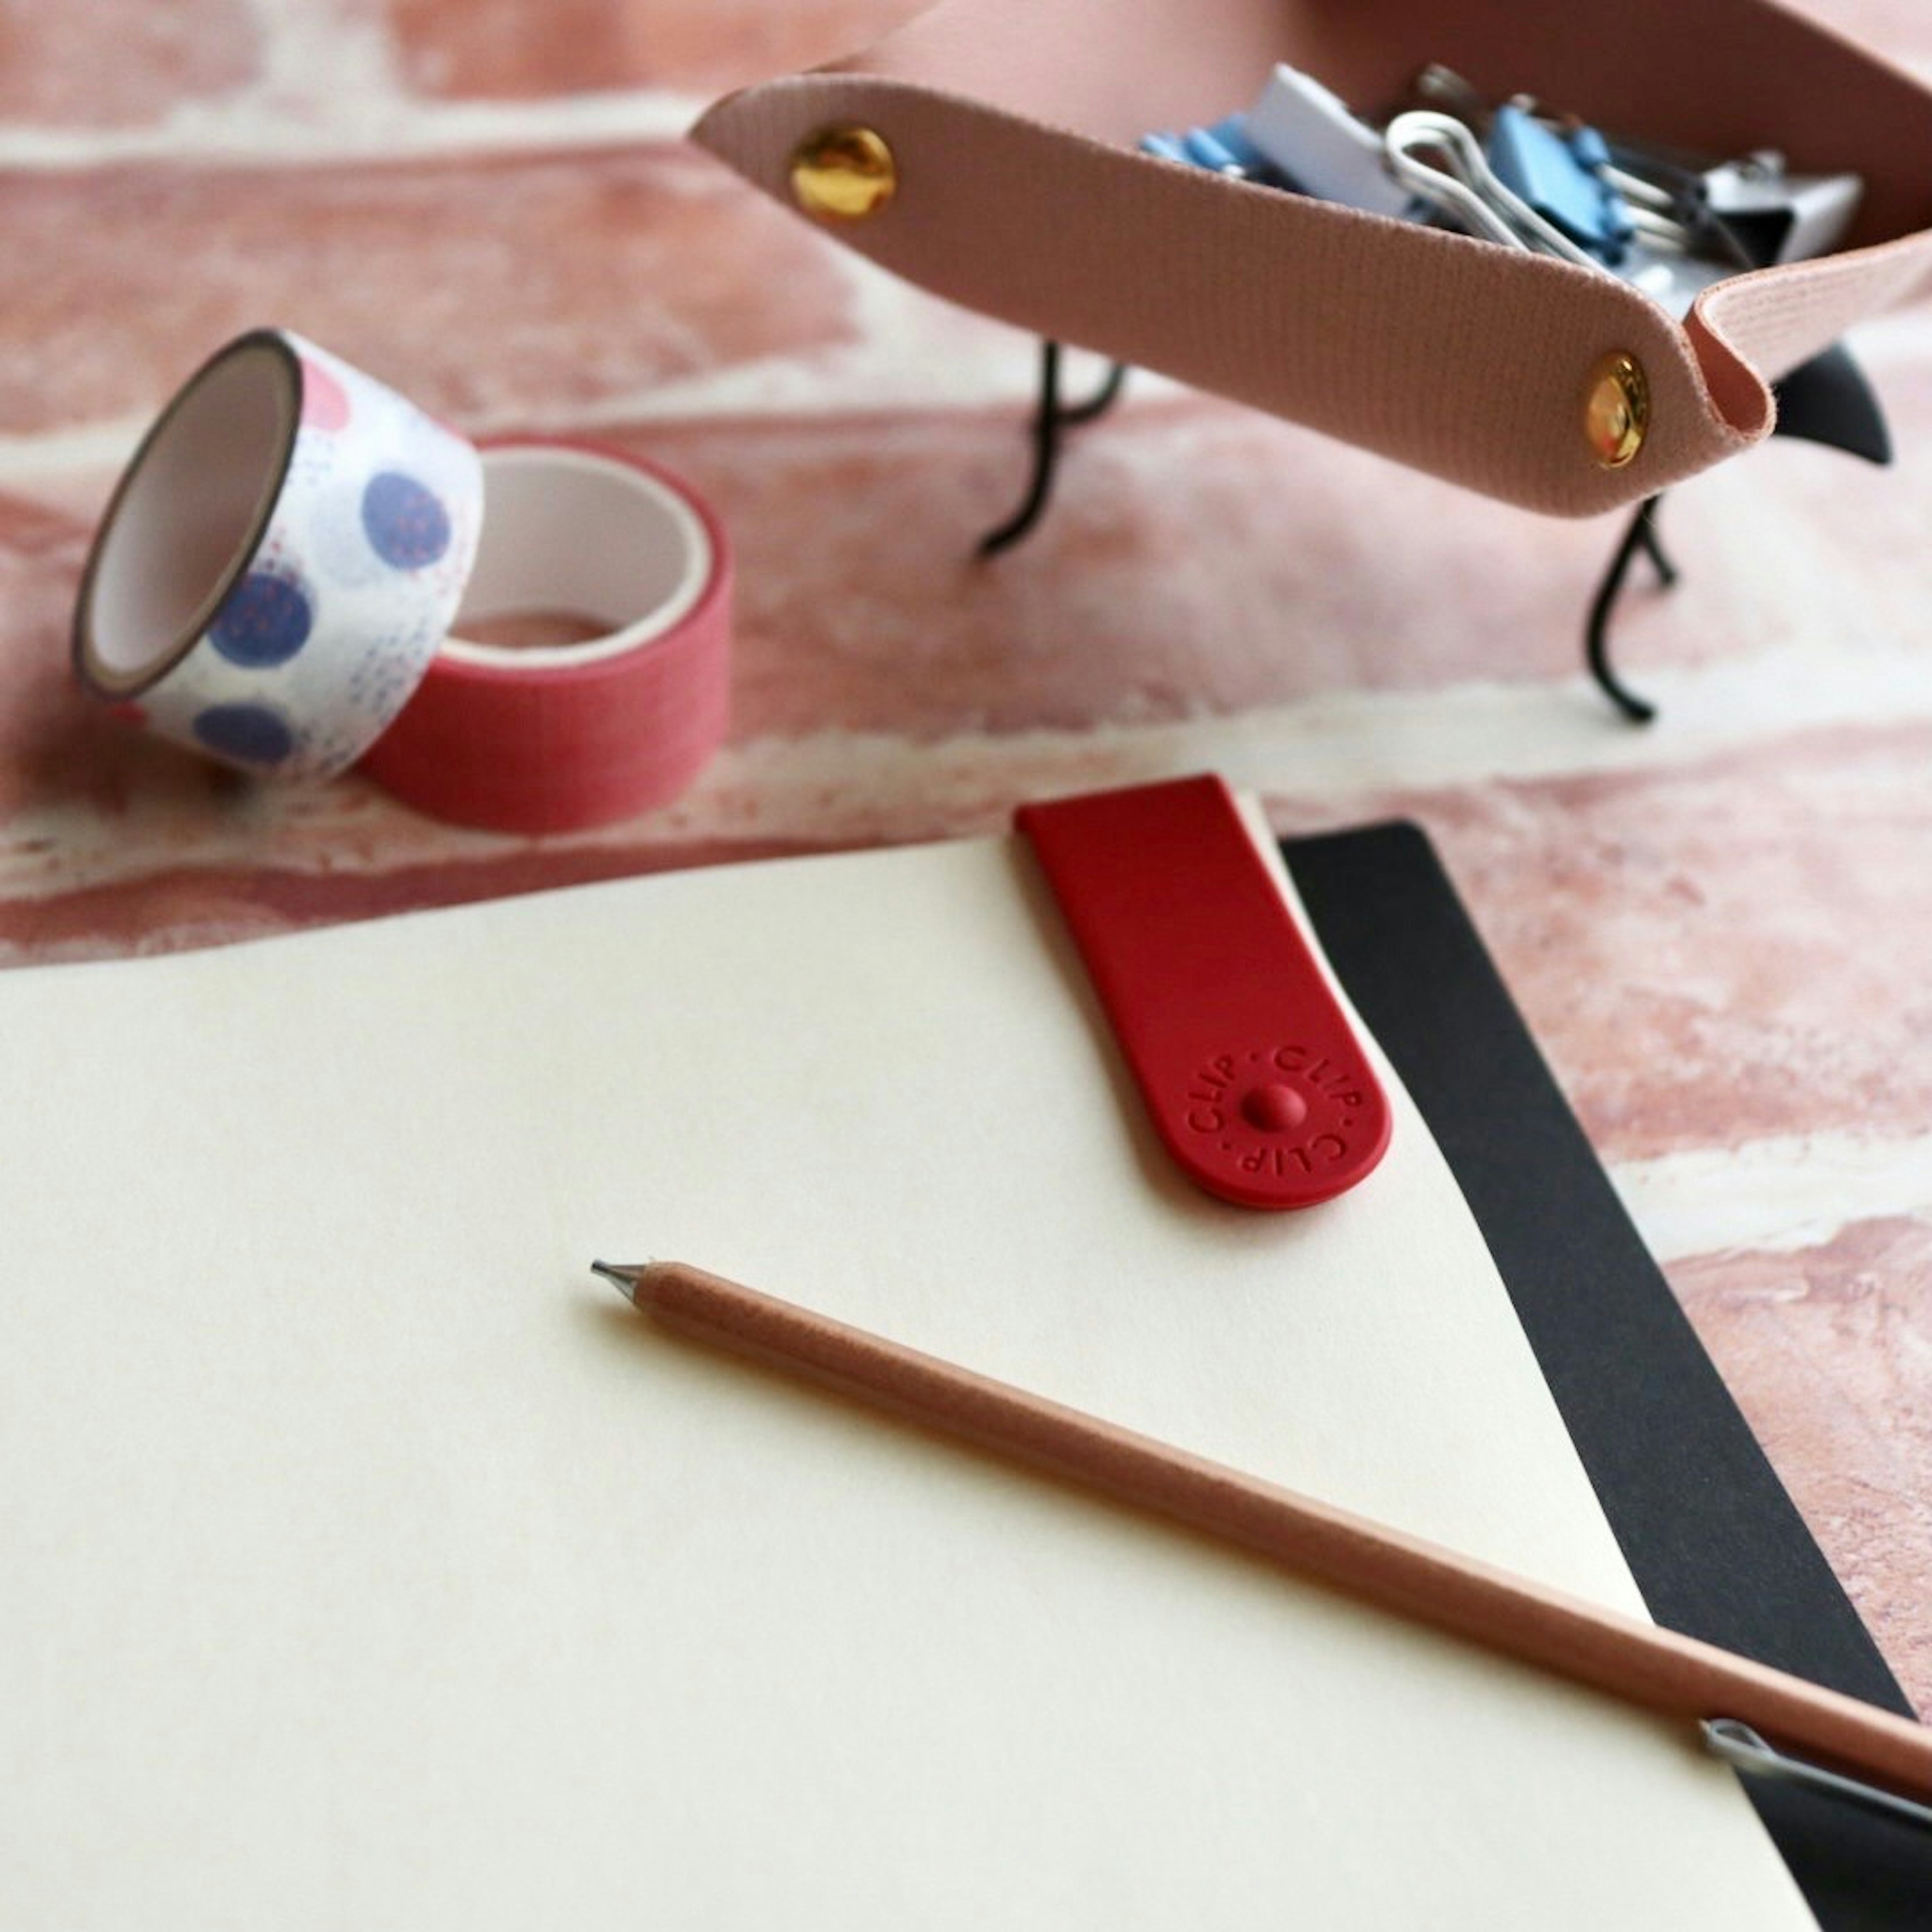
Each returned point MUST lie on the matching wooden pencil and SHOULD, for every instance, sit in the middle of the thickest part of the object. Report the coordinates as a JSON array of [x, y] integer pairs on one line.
[[1658, 1669]]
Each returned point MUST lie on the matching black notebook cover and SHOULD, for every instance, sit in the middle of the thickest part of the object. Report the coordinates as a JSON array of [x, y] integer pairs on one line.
[[1717, 1546]]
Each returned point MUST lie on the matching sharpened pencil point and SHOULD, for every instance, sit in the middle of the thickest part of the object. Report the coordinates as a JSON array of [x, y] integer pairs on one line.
[[626, 1278]]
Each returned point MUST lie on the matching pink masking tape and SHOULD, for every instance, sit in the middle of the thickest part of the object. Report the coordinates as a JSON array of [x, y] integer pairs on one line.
[[278, 575]]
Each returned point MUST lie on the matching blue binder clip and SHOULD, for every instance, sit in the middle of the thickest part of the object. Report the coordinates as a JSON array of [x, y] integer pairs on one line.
[[1559, 178], [1223, 149], [1205, 149]]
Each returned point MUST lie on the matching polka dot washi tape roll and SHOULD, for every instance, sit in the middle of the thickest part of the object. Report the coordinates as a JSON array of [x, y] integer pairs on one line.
[[281, 561]]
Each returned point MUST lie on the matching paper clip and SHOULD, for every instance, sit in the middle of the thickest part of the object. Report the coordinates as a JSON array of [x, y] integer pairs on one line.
[[1741, 1748]]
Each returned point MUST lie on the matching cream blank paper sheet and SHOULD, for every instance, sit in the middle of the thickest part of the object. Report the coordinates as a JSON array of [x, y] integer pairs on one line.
[[368, 1564]]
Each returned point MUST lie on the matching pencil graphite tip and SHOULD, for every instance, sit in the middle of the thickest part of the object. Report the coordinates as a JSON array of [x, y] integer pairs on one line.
[[625, 1279]]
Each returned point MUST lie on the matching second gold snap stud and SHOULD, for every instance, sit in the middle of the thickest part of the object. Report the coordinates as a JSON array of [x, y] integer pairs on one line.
[[843, 173], [1616, 408]]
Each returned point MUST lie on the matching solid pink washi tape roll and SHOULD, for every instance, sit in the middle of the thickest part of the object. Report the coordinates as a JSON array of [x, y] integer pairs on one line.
[[553, 738]]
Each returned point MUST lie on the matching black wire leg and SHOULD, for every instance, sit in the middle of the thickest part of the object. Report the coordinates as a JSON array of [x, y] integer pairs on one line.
[[1103, 399], [1051, 417], [1653, 544], [1641, 535]]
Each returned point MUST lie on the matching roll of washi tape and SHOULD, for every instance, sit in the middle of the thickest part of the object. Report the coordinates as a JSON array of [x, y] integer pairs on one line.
[[281, 562], [557, 737]]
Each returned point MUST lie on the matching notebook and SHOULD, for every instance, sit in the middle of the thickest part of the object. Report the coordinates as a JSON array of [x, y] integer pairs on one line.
[[369, 1563], [1714, 1541]]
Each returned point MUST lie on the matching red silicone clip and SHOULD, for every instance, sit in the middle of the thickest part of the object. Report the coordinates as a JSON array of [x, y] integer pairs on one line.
[[1254, 1079]]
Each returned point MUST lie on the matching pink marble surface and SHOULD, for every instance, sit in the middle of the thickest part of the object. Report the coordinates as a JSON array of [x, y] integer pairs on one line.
[[1719, 928]]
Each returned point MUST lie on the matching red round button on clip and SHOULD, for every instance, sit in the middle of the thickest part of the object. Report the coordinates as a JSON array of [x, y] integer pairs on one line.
[[1256, 1082]]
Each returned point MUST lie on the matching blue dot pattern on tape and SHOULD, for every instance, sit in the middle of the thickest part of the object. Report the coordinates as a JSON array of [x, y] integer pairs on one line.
[[250, 733], [406, 524], [265, 619], [350, 587]]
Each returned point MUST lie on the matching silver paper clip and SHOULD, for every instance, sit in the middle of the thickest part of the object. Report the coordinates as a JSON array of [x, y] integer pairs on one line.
[[1741, 1748]]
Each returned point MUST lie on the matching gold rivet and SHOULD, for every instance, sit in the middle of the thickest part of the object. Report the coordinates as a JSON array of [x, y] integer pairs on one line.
[[1616, 408], [843, 173]]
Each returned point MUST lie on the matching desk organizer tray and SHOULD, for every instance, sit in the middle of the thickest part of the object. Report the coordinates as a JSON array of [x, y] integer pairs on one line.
[[1011, 127]]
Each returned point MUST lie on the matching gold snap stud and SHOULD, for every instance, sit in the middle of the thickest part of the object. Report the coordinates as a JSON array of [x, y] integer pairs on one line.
[[1616, 408], [843, 173]]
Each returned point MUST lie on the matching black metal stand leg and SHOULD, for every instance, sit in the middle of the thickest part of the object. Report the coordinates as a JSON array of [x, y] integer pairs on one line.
[[1050, 418], [1103, 399], [1642, 536], [1653, 544]]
